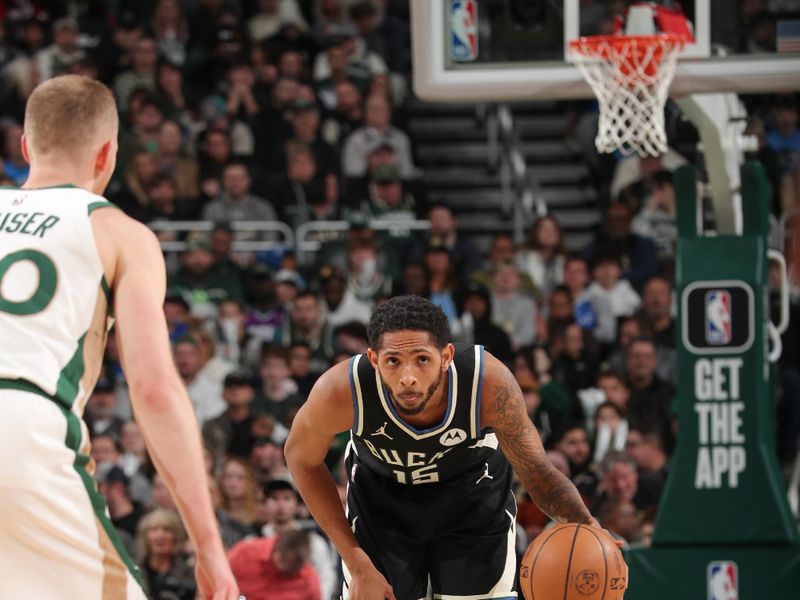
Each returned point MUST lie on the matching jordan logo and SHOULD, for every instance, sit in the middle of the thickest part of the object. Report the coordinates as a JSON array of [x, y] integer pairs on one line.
[[485, 475], [382, 431]]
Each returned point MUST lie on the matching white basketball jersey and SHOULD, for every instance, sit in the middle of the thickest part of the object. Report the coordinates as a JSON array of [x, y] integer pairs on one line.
[[54, 299]]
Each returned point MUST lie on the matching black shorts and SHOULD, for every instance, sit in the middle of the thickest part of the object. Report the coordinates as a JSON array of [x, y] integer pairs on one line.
[[459, 535]]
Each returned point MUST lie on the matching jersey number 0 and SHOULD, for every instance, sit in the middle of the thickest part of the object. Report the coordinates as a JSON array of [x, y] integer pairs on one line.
[[45, 290]]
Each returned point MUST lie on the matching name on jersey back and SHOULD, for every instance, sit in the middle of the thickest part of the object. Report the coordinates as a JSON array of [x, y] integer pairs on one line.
[[35, 224]]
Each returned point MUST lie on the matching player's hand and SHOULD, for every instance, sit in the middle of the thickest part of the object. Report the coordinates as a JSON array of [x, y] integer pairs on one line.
[[366, 583], [215, 580], [595, 523]]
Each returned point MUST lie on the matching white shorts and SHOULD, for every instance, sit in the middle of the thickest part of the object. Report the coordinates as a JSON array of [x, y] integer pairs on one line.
[[56, 540]]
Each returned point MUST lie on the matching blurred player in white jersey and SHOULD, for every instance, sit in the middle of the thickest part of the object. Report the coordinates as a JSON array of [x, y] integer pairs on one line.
[[69, 261]]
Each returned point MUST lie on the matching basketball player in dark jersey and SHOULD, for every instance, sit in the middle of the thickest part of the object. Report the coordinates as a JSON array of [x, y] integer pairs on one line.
[[433, 430]]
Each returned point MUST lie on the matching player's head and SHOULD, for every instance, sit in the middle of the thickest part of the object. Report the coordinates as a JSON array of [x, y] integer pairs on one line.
[[409, 345], [71, 121]]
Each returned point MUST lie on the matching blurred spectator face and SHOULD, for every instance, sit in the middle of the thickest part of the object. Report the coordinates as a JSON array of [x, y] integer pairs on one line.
[[305, 93], [620, 481], [379, 113], [145, 166], [267, 456], [505, 278], [238, 395], [381, 86], [607, 273], [145, 56], [333, 290], [66, 38], [348, 98], [390, 192], [442, 221], [149, 117], [101, 404], [162, 196], [547, 233], [576, 275], [161, 496], [786, 118], [629, 331], [160, 540], [289, 563], [615, 390], [650, 165], [187, 359], [337, 59], [268, 7], [221, 242], [241, 74], [236, 181], [575, 446], [284, 505], [617, 221], [477, 306], [284, 93], [306, 124], [131, 439], [560, 306], [502, 249], [290, 64], [306, 312], [13, 144], [234, 481], [641, 361], [623, 520], [104, 449], [415, 280], [573, 341], [170, 78], [33, 35], [274, 368], [170, 138], [302, 167], [382, 156], [437, 261], [198, 262], [299, 361], [559, 461], [657, 298], [218, 146], [608, 416], [365, 22], [175, 313], [635, 448]]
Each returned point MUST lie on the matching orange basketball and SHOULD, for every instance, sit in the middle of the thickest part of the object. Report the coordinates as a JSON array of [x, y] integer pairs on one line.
[[573, 562]]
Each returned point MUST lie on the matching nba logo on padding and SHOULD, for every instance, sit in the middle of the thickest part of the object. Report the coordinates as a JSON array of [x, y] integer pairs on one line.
[[723, 580], [718, 317], [463, 30]]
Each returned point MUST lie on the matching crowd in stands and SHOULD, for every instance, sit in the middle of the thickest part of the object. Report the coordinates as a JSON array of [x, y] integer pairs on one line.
[[292, 111]]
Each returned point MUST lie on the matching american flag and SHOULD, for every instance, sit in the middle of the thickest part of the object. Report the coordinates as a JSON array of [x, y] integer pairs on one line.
[[788, 35]]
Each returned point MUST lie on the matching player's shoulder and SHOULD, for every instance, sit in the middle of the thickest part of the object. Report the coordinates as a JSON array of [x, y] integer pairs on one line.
[[116, 223]]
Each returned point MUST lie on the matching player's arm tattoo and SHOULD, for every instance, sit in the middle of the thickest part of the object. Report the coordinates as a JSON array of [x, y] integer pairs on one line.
[[553, 493]]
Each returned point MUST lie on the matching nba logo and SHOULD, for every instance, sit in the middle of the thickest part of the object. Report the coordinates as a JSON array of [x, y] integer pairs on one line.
[[718, 317], [723, 580], [463, 30]]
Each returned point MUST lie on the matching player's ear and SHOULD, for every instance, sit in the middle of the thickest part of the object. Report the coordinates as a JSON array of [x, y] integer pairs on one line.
[[447, 356], [24, 145], [103, 157], [372, 355]]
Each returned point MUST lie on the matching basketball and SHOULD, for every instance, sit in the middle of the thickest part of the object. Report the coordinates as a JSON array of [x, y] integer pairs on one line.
[[573, 562]]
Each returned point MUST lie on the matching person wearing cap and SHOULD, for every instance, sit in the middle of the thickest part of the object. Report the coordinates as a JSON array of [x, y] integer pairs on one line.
[[266, 316], [229, 433], [378, 117], [611, 296], [307, 323], [388, 201], [283, 499], [99, 415], [338, 300], [63, 52], [270, 17], [204, 392], [113, 484]]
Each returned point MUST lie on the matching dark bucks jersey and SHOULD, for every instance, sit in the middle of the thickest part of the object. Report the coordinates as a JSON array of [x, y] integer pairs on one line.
[[388, 446]]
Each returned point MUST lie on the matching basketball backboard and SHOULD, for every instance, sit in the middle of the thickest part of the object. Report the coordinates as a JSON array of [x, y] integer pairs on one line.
[[491, 50]]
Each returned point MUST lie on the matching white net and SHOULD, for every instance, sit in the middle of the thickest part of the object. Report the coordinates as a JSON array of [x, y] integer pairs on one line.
[[630, 75]]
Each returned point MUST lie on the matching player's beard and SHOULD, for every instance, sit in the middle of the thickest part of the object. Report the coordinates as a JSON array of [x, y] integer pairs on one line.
[[410, 412]]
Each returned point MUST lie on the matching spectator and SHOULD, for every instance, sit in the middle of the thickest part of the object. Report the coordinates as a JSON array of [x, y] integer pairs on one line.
[[163, 203], [14, 166], [177, 101], [477, 326], [305, 120], [166, 572], [300, 368], [368, 275], [512, 311], [610, 430], [351, 338], [615, 389], [230, 433], [348, 112], [388, 200], [543, 257], [171, 31], [266, 317], [99, 416], [629, 330], [572, 441], [620, 516], [113, 53], [108, 449], [275, 567], [239, 491], [142, 74], [173, 161], [177, 313], [216, 152], [657, 315], [308, 324], [278, 396], [633, 174], [465, 256], [283, 496], [112, 483], [620, 481], [236, 203], [361, 63], [236, 344], [58, 57], [573, 365], [610, 296], [638, 255], [785, 138], [140, 173], [442, 280], [205, 393], [576, 280], [656, 219], [378, 127], [134, 458], [413, 280], [339, 301], [645, 446], [267, 454], [271, 16], [304, 194], [651, 397]]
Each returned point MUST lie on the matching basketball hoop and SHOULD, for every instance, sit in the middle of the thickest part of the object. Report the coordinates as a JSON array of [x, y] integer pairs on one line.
[[631, 75]]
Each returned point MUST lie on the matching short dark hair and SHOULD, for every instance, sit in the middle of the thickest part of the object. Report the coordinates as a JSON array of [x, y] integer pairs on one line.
[[408, 312]]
